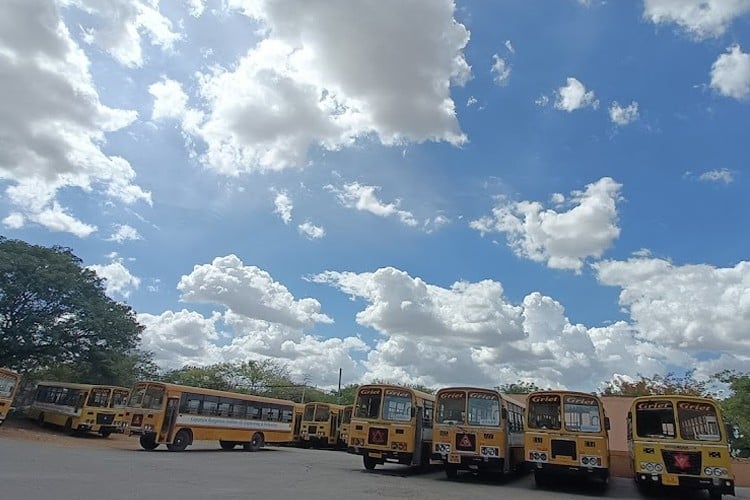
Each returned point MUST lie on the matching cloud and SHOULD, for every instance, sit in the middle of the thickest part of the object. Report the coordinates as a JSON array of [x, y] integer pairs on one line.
[[119, 281], [170, 101], [509, 46], [574, 96], [541, 101], [53, 130], [124, 233], [700, 18], [324, 76], [120, 24], [561, 239], [623, 116], [730, 73], [364, 198], [501, 70], [724, 175], [471, 101], [181, 338], [694, 307], [284, 206], [312, 231], [248, 291]]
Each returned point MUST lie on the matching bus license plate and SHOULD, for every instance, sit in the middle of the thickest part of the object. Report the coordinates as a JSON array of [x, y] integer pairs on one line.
[[670, 480], [454, 458], [375, 454]]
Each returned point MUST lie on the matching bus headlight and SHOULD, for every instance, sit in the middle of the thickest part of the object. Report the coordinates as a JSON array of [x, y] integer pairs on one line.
[[443, 448], [720, 471], [658, 468], [708, 471], [651, 467], [489, 451]]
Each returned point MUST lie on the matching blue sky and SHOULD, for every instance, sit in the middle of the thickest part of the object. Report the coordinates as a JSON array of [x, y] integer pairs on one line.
[[427, 191]]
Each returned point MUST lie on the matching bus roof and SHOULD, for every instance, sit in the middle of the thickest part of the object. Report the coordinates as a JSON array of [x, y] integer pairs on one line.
[[564, 392], [215, 392], [423, 395], [673, 397], [71, 385], [516, 399], [9, 372], [332, 405]]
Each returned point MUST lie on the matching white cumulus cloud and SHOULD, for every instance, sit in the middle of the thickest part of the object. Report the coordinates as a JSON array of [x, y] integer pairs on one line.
[[501, 70], [700, 18], [311, 230], [119, 281], [124, 233], [283, 206], [723, 175], [573, 96], [364, 198], [730, 73], [623, 115]]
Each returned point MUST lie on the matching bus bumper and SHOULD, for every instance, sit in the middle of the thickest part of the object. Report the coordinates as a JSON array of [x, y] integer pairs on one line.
[[471, 462], [725, 485], [383, 456], [600, 473]]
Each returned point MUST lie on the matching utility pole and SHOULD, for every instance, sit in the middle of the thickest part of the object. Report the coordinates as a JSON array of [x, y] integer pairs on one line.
[[338, 400]]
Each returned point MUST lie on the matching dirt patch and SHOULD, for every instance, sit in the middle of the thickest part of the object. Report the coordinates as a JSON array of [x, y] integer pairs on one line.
[[20, 428]]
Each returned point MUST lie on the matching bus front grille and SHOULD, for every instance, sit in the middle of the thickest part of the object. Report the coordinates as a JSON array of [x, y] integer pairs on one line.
[[378, 436], [564, 448], [682, 462], [105, 418], [312, 429]]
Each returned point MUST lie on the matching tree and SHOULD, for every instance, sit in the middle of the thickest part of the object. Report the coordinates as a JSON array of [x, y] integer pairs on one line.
[[658, 384], [207, 377], [736, 409], [520, 387], [54, 313]]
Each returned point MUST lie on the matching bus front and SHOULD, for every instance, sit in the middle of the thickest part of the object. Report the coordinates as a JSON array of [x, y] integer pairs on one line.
[[8, 386], [144, 414], [346, 419], [468, 434], [317, 425], [566, 433], [384, 427], [118, 401], [97, 415], [680, 441]]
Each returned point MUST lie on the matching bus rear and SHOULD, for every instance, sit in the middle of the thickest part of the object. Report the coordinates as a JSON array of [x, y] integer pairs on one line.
[[346, 419], [566, 434], [680, 441], [8, 387], [320, 425], [391, 424]]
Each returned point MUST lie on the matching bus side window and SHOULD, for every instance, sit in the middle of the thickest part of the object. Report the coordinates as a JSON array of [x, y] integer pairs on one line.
[[630, 425], [427, 415]]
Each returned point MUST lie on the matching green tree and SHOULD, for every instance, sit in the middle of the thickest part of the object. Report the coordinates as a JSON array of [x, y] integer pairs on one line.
[[736, 409], [54, 313], [658, 384], [520, 387], [207, 377]]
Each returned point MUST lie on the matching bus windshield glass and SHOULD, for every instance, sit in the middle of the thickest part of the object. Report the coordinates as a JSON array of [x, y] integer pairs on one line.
[[451, 407], [99, 397], [136, 397], [655, 419], [322, 413], [347, 415], [581, 414], [484, 409], [7, 383], [368, 403], [698, 421], [119, 398], [146, 396], [397, 405], [544, 412]]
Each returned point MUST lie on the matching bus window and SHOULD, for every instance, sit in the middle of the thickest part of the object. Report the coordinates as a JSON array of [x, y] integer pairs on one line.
[[544, 416], [136, 398], [698, 421], [322, 413], [655, 419], [484, 409], [154, 397], [368, 404], [582, 417], [119, 398], [99, 397], [452, 408], [397, 406], [7, 384]]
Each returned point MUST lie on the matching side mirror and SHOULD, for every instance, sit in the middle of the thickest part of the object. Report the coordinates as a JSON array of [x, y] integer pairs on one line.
[[504, 414], [606, 423]]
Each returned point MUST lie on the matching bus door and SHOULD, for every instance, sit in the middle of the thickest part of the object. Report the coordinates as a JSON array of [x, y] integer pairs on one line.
[[333, 434], [170, 417], [418, 436]]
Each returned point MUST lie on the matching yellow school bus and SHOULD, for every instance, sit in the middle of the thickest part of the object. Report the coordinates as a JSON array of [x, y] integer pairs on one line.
[[320, 425], [77, 407], [566, 433], [479, 430], [391, 424], [8, 387], [178, 415], [679, 441], [346, 419], [299, 410]]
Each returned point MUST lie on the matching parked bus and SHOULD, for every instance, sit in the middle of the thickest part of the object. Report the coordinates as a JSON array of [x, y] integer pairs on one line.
[[299, 410], [78, 407], [346, 419], [478, 430], [320, 425], [679, 441], [391, 424], [178, 415], [566, 433], [8, 387]]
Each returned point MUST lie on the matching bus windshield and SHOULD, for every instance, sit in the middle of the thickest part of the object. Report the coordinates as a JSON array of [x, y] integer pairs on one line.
[[309, 413], [397, 405], [698, 421], [119, 398], [347, 415], [99, 397], [147, 396], [544, 412], [655, 419], [322, 413], [484, 409], [7, 383], [368, 403], [451, 407], [581, 414]]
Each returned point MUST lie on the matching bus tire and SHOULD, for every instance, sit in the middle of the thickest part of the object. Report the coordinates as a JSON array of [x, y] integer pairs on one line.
[[369, 462], [255, 444], [181, 441], [714, 494], [451, 471], [541, 479], [40, 419], [68, 427], [105, 432], [227, 445], [148, 442]]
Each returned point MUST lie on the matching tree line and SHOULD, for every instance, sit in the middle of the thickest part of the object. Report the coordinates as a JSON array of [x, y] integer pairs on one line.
[[57, 323]]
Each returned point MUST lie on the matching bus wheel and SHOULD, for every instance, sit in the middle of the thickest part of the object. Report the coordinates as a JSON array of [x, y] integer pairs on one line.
[[451, 471], [255, 444], [541, 479], [180, 441], [369, 463], [227, 445], [714, 494], [40, 419], [105, 432], [148, 442], [68, 427]]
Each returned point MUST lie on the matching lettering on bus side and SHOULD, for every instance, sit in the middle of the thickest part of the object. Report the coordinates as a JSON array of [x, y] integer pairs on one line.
[[654, 405], [369, 392], [545, 399], [481, 395], [579, 400], [397, 393], [451, 395], [703, 407]]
